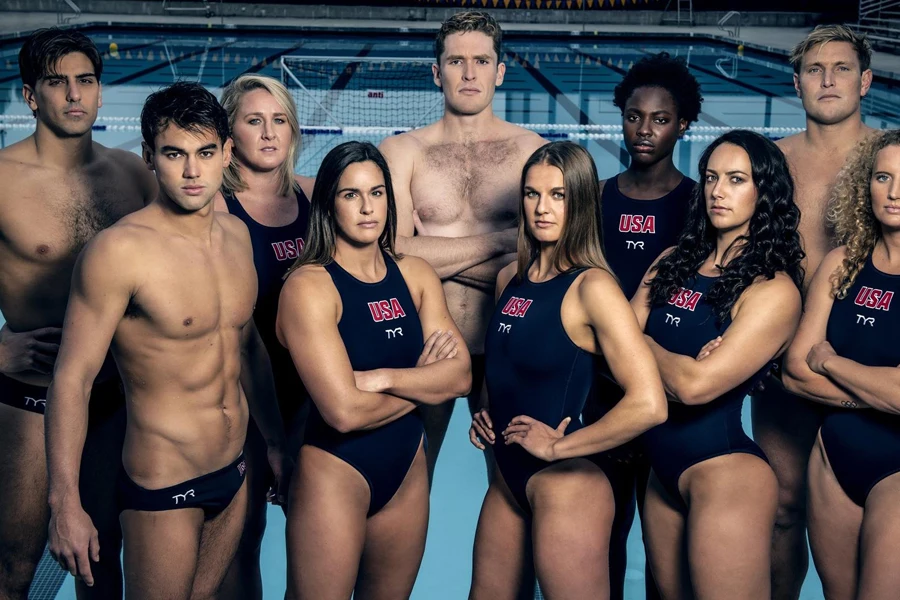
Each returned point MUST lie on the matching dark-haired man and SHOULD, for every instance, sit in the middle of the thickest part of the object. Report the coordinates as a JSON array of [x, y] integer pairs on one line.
[[456, 183], [170, 289], [60, 189], [831, 76]]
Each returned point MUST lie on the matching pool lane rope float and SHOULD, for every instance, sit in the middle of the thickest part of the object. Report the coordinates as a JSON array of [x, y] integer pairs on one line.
[[697, 133]]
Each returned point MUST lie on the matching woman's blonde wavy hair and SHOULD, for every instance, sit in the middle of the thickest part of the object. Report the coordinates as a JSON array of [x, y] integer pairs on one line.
[[850, 214], [231, 101]]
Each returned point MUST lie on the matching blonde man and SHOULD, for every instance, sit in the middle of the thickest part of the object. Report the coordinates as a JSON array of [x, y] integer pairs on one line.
[[831, 76]]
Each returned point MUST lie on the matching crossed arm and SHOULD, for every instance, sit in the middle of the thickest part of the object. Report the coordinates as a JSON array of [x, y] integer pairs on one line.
[[466, 259], [763, 323], [813, 369], [307, 324]]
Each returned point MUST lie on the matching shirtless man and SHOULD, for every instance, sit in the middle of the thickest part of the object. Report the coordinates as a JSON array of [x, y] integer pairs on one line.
[[171, 290], [831, 75], [60, 188], [457, 185]]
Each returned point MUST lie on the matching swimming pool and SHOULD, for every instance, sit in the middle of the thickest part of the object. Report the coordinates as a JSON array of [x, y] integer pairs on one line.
[[562, 87]]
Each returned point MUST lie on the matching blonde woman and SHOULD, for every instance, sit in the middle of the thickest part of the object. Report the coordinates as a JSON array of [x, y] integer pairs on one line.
[[260, 188], [845, 355]]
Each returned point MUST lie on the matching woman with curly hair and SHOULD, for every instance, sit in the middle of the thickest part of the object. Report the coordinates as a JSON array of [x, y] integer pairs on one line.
[[643, 211], [846, 355], [717, 308]]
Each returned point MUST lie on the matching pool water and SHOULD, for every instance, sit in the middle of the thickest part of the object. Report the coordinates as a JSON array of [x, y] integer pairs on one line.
[[561, 88]]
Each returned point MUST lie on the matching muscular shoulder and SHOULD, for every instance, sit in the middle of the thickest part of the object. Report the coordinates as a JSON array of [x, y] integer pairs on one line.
[[416, 269], [790, 144], [527, 140], [833, 260], [403, 146], [778, 293], [596, 284], [235, 229], [505, 276], [309, 286], [120, 245], [128, 168]]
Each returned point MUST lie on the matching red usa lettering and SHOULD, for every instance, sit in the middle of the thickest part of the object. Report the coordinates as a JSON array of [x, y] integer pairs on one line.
[[516, 307], [288, 249], [874, 298], [386, 310], [686, 299], [637, 223]]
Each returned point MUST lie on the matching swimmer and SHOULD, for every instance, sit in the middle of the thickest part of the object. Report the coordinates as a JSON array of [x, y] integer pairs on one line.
[[831, 76], [845, 355], [372, 339], [558, 306], [457, 187], [171, 290], [717, 308], [643, 210], [61, 188], [260, 188]]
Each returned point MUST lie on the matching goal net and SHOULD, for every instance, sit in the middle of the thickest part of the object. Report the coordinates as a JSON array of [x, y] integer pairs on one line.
[[360, 98]]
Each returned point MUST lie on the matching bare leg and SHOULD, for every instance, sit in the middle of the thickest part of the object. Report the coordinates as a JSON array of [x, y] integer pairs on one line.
[[243, 580], [395, 540], [665, 541], [161, 550], [100, 465], [573, 514], [732, 501], [785, 428], [326, 526], [834, 528], [23, 500], [218, 543], [502, 567], [879, 577]]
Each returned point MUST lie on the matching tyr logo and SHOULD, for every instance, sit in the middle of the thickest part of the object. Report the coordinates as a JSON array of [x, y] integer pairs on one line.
[[392, 333], [637, 223], [504, 328], [874, 298], [29, 401], [686, 299], [516, 307], [386, 310], [672, 319], [183, 497], [288, 249], [629, 245], [870, 321]]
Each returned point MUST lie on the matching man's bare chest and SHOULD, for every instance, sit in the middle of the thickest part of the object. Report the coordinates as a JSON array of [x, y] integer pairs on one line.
[[49, 221], [470, 182]]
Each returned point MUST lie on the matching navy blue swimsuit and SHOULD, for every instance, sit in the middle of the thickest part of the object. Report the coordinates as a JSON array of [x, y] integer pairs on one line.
[[274, 251], [693, 434], [635, 232], [533, 368], [863, 446], [381, 330]]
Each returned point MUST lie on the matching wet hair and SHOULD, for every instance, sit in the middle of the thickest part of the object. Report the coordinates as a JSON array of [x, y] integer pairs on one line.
[[823, 34], [580, 243], [186, 104], [851, 214], [463, 22], [772, 243], [231, 102], [670, 74], [45, 47], [322, 232]]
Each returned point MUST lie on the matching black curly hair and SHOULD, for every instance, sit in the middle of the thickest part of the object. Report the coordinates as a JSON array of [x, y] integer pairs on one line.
[[771, 245], [671, 74]]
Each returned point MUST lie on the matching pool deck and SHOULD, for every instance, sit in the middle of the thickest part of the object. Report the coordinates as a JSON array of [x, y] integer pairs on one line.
[[778, 40]]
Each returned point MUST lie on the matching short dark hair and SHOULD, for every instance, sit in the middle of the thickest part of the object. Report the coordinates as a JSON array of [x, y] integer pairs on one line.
[[663, 71], [188, 105], [45, 47], [463, 22]]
